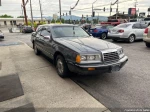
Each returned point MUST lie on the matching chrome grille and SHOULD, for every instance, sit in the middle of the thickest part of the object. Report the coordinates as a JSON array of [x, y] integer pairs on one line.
[[111, 57]]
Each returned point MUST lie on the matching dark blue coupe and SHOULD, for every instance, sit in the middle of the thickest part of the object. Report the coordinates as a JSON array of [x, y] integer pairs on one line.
[[100, 31]]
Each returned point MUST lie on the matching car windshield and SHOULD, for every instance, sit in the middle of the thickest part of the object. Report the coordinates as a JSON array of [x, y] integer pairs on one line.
[[123, 25], [147, 19], [108, 27], [68, 31]]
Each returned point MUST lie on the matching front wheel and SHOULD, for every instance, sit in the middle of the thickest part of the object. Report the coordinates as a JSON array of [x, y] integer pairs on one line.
[[103, 36], [36, 51], [61, 66], [131, 39], [147, 44]]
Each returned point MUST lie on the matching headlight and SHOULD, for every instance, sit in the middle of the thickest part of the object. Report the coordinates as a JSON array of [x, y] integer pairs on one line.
[[88, 58], [120, 52]]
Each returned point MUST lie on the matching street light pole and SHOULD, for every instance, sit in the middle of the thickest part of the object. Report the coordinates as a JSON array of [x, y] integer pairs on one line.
[[60, 9], [41, 10], [92, 11], [117, 9]]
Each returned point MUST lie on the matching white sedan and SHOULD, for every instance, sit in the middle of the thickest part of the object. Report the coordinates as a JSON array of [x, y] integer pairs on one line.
[[127, 31]]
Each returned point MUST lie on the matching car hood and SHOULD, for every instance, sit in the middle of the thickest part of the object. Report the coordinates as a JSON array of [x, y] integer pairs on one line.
[[86, 44]]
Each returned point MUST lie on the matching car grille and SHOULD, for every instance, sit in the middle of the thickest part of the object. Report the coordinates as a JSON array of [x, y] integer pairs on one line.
[[111, 57]]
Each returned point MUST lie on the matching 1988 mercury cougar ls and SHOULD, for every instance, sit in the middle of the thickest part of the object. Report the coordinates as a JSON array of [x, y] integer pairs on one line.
[[73, 49]]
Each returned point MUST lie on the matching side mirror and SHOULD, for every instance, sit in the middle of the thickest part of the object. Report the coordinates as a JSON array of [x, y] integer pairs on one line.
[[33, 33], [47, 38]]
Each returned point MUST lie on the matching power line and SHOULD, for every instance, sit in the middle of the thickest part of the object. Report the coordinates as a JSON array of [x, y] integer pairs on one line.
[[103, 5], [75, 5]]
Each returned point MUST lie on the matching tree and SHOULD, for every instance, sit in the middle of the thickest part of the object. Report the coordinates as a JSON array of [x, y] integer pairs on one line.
[[20, 17], [62, 20], [6, 16], [53, 21]]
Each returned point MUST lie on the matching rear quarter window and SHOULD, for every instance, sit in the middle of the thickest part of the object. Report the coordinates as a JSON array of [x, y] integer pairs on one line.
[[143, 26], [147, 19]]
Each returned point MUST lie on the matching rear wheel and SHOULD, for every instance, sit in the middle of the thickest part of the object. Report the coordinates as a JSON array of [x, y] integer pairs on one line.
[[61, 66], [147, 44], [131, 38], [103, 36]]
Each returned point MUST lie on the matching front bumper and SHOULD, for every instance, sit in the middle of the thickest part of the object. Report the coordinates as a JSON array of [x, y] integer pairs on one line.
[[99, 68], [146, 39]]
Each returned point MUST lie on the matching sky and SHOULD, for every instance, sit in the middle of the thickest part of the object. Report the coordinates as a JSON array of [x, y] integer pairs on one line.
[[50, 7]]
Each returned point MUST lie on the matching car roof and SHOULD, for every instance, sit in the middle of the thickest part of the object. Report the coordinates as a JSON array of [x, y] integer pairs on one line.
[[58, 25]]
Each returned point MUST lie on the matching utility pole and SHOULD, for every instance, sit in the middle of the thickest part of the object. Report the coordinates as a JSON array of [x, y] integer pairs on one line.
[[135, 8], [60, 9], [25, 15], [41, 10], [110, 8], [70, 15], [31, 13], [98, 17], [117, 9]]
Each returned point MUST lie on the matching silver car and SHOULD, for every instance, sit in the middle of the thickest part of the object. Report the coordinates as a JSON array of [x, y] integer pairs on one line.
[[127, 31], [146, 38]]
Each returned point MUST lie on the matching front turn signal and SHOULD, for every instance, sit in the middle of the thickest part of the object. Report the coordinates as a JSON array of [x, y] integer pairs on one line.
[[78, 58]]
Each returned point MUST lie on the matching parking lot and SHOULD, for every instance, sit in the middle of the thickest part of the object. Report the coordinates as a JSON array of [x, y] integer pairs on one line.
[[128, 88]]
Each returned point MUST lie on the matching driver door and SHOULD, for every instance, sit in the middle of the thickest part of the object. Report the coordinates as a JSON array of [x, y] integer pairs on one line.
[[48, 43]]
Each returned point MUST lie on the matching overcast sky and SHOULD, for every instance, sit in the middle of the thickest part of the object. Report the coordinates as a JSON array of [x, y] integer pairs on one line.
[[49, 7]]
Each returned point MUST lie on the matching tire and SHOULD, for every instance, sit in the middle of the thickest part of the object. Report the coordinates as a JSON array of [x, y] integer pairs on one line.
[[147, 44], [103, 36], [36, 51], [61, 66], [131, 38]]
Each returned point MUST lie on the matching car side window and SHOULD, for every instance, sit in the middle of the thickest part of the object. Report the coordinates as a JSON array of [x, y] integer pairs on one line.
[[45, 33], [136, 26], [143, 26]]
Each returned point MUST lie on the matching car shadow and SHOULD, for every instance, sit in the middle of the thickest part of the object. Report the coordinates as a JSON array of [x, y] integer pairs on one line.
[[126, 42], [2, 40]]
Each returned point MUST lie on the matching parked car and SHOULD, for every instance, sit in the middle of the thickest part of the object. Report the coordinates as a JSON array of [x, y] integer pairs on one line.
[[114, 22], [147, 21], [1, 35], [146, 38], [72, 49], [27, 29], [133, 20], [100, 31], [128, 31]]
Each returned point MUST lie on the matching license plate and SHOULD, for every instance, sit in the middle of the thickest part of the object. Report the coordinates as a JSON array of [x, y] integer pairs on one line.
[[113, 32], [91, 30], [115, 68]]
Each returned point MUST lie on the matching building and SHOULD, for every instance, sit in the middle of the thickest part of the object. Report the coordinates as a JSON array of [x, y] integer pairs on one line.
[[16, 21], [121, 16]]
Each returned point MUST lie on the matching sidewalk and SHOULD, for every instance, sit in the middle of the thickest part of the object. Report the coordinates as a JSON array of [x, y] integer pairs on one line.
[[43, 89]]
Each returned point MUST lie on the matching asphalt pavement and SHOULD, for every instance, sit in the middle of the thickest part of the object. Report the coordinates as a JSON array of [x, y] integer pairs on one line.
[[118, 91]]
